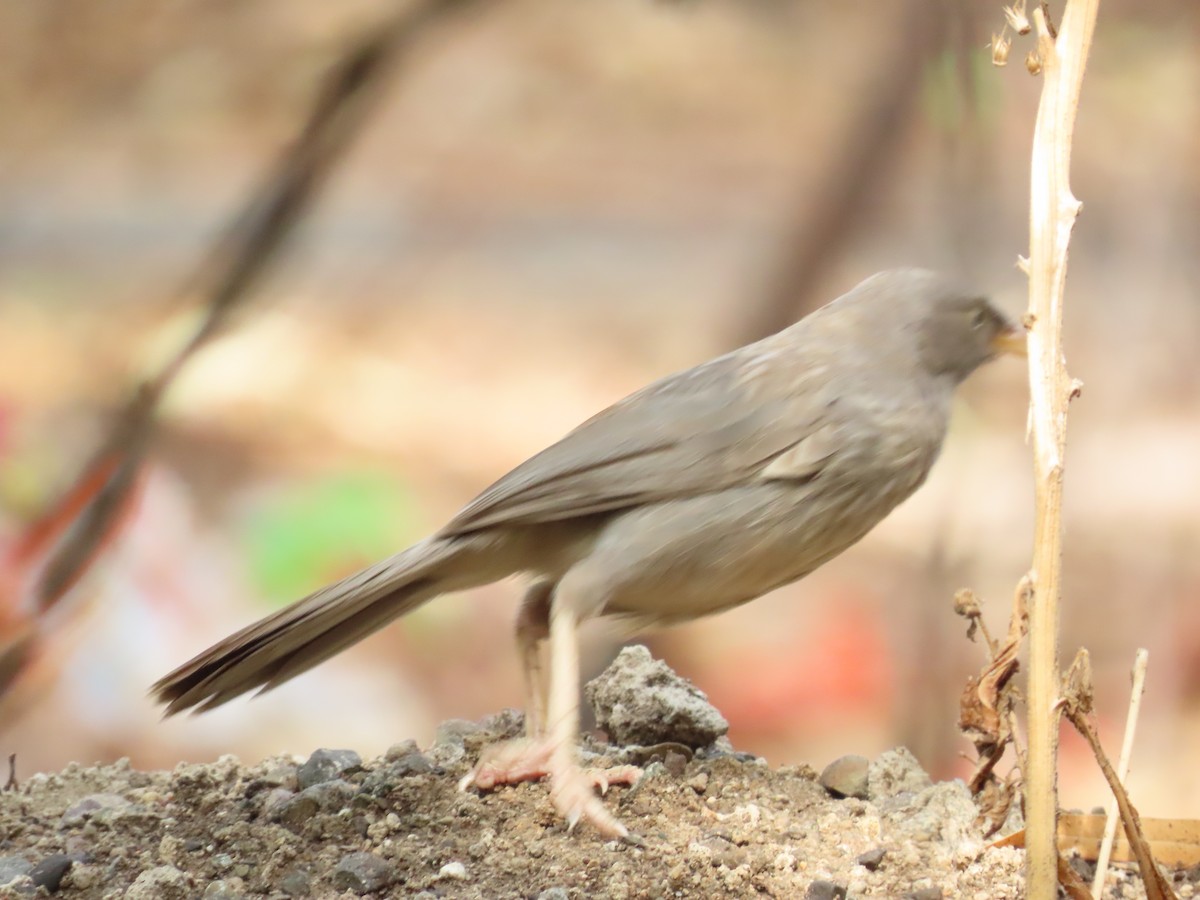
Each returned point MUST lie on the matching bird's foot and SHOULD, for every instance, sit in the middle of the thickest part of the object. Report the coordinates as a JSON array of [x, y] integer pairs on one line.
[[572, 789]]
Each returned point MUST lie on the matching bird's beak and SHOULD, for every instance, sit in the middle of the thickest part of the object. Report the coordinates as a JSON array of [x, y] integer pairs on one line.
[[1011, 340]]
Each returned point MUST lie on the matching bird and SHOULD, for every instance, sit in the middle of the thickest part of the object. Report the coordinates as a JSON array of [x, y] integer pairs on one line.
[[700, 492]]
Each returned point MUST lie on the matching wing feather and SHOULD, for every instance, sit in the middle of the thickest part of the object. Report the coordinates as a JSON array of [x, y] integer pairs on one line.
[[704, 429]]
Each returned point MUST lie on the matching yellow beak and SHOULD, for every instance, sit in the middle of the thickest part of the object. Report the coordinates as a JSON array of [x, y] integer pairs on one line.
[[1011, 340]]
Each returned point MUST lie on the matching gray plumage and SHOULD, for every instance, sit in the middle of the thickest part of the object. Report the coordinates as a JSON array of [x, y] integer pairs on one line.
[[697, 493]]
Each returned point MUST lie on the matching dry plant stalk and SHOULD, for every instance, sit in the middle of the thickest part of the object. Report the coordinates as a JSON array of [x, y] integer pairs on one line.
[[1053, 208], [1110, 828], [1077, 707]]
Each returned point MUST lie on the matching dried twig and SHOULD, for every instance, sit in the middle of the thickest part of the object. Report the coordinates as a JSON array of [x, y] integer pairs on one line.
[[1077, 707], [1110, 827]]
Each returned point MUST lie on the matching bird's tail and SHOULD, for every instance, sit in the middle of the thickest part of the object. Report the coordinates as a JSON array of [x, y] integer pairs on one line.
[[294, 639]]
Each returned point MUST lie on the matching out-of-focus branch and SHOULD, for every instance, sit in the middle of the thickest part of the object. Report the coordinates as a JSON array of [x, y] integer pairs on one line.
[[55, 552], [1053, 209], [856, 168]]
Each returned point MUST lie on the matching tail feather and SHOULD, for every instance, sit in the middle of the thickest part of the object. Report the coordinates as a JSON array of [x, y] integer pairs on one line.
[[280, 646]]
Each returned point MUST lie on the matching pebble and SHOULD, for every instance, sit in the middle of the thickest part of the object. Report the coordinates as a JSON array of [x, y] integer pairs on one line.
[[13, 867], [50, 871], [825, 890], [329, 797], [224, 890], [362, 873], [453, 870], [449, 743], [847, 776], [554, 893], [929, 893], [640, 700], [159, 883], [295, 883], [79, 812], [872, 859], [326, 765]]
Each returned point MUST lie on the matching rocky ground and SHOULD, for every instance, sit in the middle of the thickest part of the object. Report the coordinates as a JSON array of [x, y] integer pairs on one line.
[[710, 822]]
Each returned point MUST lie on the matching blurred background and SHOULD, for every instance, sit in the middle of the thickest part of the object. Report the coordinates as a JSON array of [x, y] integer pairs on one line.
[[554, 204]]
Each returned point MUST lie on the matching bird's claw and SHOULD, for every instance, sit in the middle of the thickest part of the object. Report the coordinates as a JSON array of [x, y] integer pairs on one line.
[[572, 789]]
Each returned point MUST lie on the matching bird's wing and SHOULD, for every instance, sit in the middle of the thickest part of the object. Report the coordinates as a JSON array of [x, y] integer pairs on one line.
[[697, 431]]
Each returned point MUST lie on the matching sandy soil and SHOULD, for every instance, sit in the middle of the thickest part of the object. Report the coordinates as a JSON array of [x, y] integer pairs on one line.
[[709, 822]]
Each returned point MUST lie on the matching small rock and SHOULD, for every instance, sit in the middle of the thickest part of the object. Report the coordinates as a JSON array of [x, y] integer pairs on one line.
[[944, 812], [847, 776], [328, 796], [872, 859], [825, 890], [414, 762], [50, 871], [929, 893], [453, 870], [283, 775], [675, 763], [79, 812], [896, 772], [554, 893], [639, 700], [159, 883], [401, 750], [362, 872], [271, 805], [295, 883], [13, 867], [699, 782], [449, 743], [326, 765], [503, 725], [224, 890]]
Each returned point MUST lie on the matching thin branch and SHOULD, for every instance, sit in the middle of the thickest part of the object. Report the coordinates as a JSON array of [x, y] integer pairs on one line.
[[1077, 707], [1141, 661]]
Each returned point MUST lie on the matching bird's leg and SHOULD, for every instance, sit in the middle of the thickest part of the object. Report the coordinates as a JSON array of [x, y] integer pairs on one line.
[[533, 627], [572, 790], [551, 751]]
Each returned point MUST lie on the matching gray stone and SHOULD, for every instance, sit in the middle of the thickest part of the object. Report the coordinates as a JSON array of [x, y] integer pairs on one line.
[[896, 772], [326, 765], [92, 805], [847, 776], [872, 859], [449, 743], [825, 890], [224, 890], [943, 812], [362, 873], [929, 893], [295, 883], [327, 797], [49, 872], [639, 700], [13, 867], [554, 893]]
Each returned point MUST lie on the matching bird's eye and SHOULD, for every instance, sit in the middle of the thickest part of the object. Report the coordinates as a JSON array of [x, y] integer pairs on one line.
[[979, 318]]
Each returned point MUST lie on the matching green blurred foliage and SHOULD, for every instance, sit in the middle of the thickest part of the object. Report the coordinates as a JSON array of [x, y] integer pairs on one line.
[[315, 532]]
